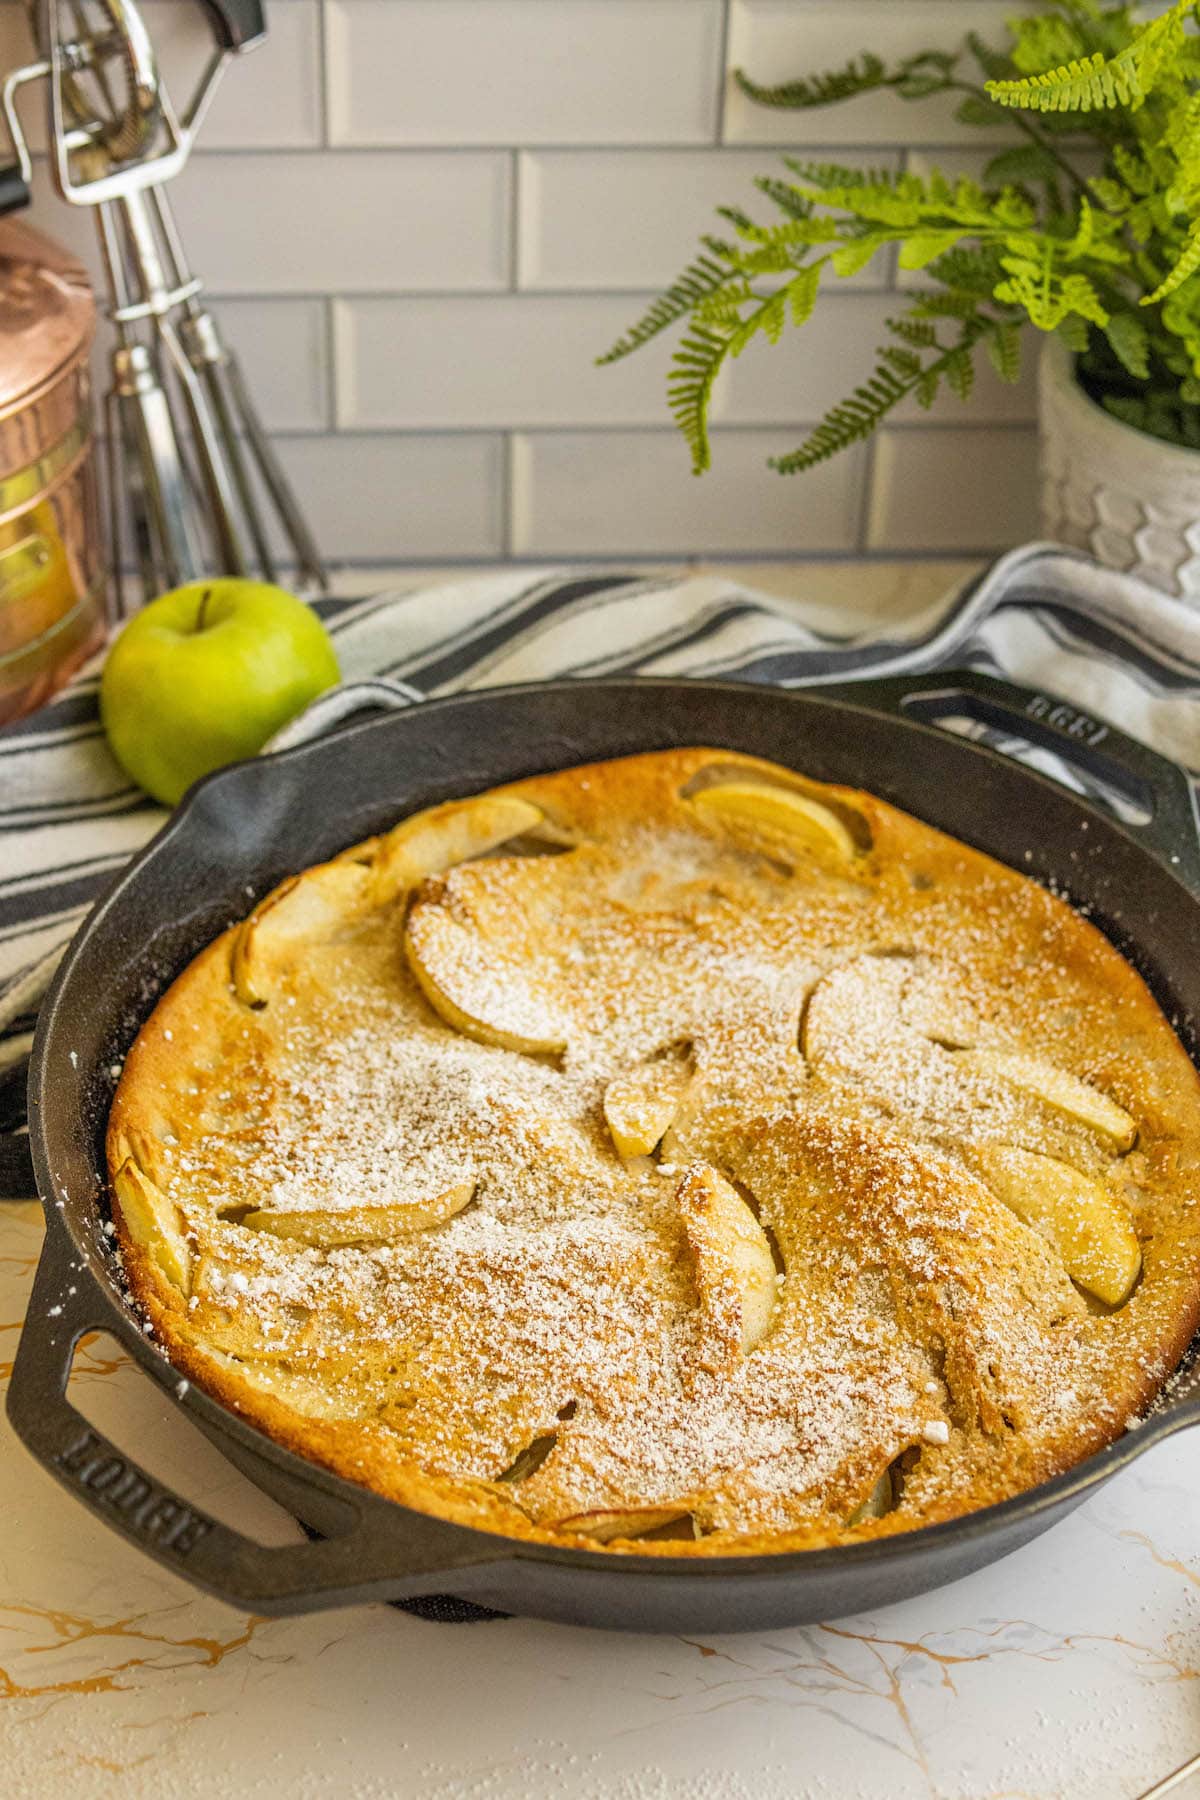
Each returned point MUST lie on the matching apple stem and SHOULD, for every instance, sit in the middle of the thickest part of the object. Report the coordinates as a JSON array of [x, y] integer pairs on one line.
[[205, 597]]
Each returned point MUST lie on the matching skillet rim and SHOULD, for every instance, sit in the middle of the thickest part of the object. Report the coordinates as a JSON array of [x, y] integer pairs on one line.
[[1168, 1415]]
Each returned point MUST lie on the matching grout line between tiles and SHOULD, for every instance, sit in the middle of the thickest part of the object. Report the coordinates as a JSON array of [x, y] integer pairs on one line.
[[927, 428], [700, 146], [723, 75], [332, 383], [866, 495], [323, 30], [507, 495], [516, 200]]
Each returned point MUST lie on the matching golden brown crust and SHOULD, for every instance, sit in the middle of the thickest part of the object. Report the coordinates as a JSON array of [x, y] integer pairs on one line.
[[831, 1013]]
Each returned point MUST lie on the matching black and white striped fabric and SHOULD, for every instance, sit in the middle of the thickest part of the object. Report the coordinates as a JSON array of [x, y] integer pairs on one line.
[[69, 818]]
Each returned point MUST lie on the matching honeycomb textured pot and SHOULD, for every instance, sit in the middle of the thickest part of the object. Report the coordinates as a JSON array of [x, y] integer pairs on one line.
[[1131, 500]]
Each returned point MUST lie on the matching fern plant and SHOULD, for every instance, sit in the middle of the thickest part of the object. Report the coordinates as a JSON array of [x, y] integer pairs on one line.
[[1088, 226]]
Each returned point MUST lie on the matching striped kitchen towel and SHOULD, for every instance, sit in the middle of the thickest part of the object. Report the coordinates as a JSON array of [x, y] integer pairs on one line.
[[69, 817]]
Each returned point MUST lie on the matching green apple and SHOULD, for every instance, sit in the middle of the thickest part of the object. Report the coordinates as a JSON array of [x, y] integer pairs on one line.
[[204, 675]]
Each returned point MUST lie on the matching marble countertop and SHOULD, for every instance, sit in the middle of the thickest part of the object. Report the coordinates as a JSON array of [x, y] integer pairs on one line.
[[1068, 1671]]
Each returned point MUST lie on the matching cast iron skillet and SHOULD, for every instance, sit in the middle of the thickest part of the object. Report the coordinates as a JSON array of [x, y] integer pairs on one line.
[[241, 830]]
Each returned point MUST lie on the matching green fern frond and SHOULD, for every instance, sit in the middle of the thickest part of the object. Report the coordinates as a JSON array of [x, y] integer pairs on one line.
[[724, 308], [856, 252], [1037, 240], [970, 271], [859, 76], [1023, 163], [699, 279], [929, 72], [737, 216], [954, 304], [959, 371], [1113, 196], [1130, 341], [920, 332], [848, 422], [786, 197], [1084, 84], [694, 368], [1133, 169], [921, 248], [1004, 352], [927, 389], [1186, 266], [1045, 41], [1075, 333], [905, 362], [839, 175], [802, 291], [857, 417]]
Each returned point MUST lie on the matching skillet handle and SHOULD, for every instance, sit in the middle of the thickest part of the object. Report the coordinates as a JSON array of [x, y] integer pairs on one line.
[[1156, 788], [388, 1553]]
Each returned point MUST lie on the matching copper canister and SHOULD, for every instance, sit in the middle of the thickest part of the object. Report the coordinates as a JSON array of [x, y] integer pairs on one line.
[[52, 569]]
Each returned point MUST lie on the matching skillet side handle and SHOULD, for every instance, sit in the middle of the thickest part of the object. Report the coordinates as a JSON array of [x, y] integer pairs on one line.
[[387, 1554], [1089, 745]]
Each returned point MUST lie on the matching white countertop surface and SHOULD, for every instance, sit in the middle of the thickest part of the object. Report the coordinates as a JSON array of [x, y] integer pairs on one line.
[[1069, 1671]]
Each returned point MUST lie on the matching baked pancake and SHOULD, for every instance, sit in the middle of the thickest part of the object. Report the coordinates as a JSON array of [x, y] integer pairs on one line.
[[674, 1155]]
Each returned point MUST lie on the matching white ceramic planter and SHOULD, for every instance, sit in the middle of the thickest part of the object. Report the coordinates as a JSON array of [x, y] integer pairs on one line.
[[1129, 499]]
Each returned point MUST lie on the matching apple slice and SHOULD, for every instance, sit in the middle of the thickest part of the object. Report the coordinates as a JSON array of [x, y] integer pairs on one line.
[[329, 1228], [879, 1501], [153, 1222], [1066, 1094], [735, 1271], [476, 987], [852, 1008], [633, 1522], [436, 840], [641, 1106], [1088, 1224], [303, 909], [776, 813]]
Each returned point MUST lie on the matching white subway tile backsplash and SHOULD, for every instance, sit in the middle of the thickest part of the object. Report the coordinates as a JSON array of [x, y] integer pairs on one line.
[[400, 499], [777, 40], [529, 360], [510, 182], [630, 218], [495, 361], [953, 488], [311, 224], [632, 494], [345, 223], [523, 71]]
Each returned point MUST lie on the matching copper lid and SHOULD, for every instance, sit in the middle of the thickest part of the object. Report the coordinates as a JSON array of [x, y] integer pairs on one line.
[[47, 314]]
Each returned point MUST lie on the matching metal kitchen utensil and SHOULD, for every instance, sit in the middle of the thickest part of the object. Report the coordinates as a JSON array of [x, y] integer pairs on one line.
[[193, 482], [242, 830]]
